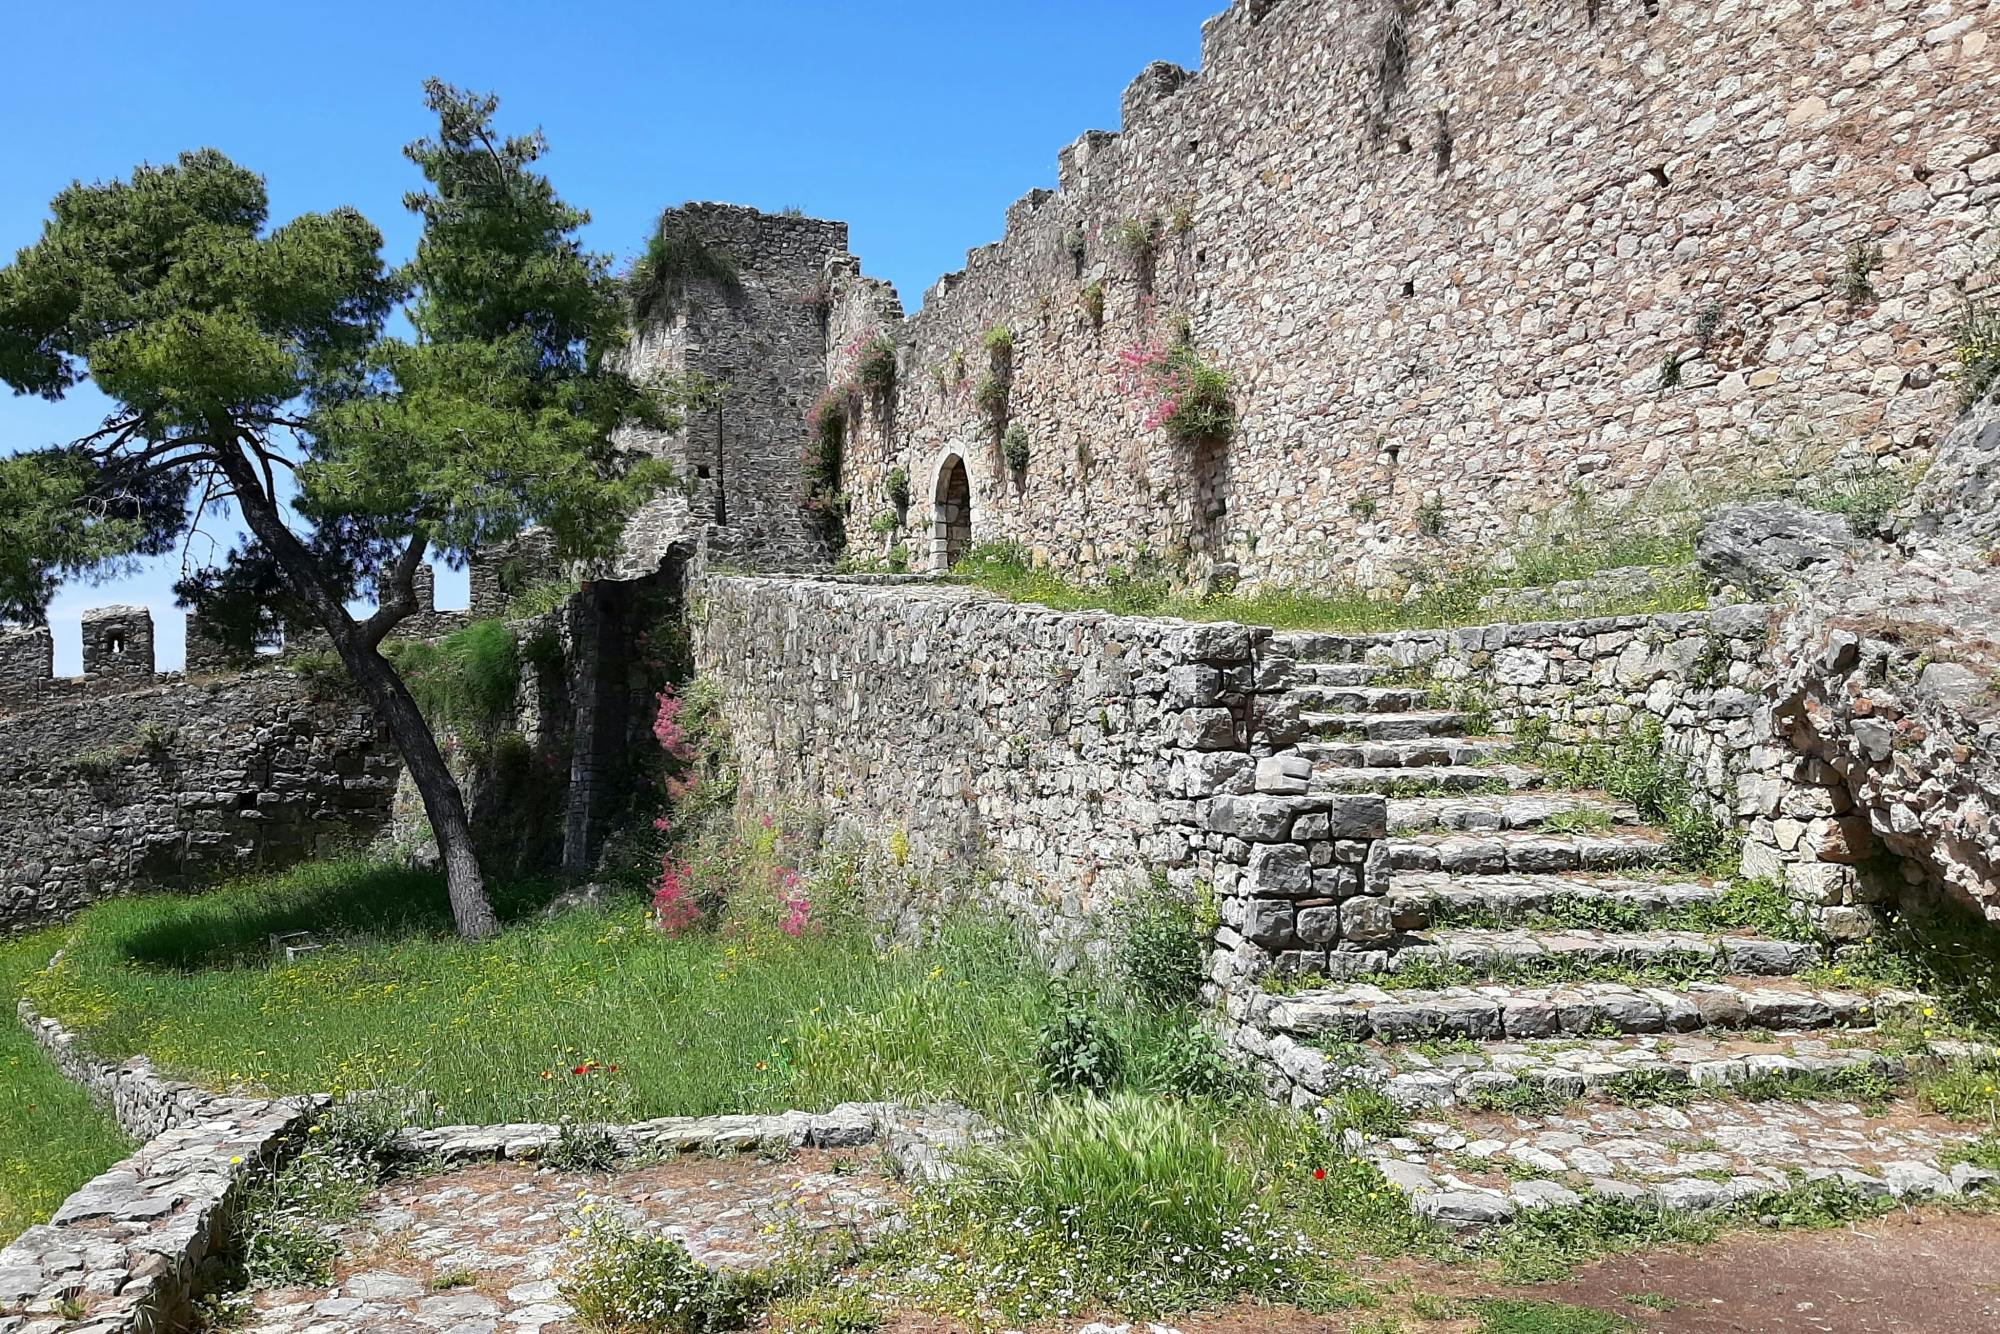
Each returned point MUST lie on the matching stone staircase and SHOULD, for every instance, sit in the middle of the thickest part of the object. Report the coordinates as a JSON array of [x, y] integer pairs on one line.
[[1560, 1008], [1536, 939]]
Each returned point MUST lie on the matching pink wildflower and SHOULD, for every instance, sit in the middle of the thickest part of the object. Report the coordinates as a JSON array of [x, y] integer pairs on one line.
[[674, 908], [668, 729]]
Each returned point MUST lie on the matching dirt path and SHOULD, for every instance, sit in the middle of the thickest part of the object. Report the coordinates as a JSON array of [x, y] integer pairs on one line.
[[1909, 1273]]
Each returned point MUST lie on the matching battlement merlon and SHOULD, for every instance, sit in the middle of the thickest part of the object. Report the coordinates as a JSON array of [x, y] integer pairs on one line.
[[27, 662], [118, 641]]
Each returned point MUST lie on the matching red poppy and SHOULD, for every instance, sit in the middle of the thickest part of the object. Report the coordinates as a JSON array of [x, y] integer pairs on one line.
[[1319, 1174], [581, 1070]]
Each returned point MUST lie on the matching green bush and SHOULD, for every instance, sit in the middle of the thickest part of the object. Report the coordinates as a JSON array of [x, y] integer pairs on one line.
[[896, 486], [991, 395], [1163, 952], [1092, 301], [876, 368], [1139, 238], [627, 1282], [1187, 1061], [1202, 412], [1078, 1050], [1014, 447]]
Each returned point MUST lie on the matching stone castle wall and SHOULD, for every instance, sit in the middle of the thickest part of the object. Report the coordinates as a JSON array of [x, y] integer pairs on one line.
[[1447, 255], [175, 783]]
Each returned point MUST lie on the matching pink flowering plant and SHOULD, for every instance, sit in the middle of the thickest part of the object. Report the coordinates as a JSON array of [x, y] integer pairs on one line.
[[1179, 392], [738, 874]]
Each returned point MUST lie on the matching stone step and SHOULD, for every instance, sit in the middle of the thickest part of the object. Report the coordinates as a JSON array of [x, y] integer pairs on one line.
[[1505, 811], [1522, 952], [1336, 673], [1415, 726], [1358, 1012], [1528, 851], [1418, 754], [1358, 699], [1623, 1069], [1428, 779], [1480, 1168], [1417, 899]]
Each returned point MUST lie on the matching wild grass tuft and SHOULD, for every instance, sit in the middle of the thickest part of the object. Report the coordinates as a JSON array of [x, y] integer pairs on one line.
[[1123, 1201], [465, 681]]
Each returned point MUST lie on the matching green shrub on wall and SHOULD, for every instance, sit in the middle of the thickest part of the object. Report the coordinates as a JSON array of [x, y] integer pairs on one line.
[[1015, 446], [465, 682], [876, 367]]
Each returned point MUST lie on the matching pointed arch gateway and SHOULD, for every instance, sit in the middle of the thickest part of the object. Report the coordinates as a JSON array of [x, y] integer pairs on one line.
[[951, 515]]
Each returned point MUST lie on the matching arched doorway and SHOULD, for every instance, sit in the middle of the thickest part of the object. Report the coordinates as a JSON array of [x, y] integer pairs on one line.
[[951, 520]]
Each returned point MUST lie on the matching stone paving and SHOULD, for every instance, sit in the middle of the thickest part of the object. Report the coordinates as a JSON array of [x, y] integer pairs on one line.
[[1483, 1168], [481, 1250]]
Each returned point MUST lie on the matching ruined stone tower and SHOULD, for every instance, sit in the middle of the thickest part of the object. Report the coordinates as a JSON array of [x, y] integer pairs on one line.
[[759, 335]]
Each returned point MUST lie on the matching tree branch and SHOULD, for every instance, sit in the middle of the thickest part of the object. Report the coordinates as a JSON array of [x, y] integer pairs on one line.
[[400, 585]]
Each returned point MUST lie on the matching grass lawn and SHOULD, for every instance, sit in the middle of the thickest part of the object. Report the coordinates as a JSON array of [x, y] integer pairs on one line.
[[52, 1137], [1454, 599], [695, 1024]]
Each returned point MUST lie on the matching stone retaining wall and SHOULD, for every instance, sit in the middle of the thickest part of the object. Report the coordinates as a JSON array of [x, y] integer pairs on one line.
[[1046, 762]]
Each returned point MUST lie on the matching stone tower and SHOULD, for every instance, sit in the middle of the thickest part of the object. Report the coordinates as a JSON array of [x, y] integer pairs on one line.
[[751, 318]]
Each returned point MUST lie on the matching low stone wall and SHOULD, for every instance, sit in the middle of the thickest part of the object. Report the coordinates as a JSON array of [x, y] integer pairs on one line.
[[179, 782], [1047, 762], [132, 1249], [918, 1142]]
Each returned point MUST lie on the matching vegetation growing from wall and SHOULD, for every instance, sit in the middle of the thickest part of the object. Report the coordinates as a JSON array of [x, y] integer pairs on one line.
[[1976, 344], [1149, 588], [1014, 447], [827, 427], [875, 366], [465, 683], [675, 259], [1180, 393], [1637, 767]]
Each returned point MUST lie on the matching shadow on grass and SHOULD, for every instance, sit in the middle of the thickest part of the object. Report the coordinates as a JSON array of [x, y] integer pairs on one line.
[[232, 926]]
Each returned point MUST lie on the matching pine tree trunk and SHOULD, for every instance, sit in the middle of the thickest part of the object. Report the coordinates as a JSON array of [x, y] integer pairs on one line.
[[444, 804]]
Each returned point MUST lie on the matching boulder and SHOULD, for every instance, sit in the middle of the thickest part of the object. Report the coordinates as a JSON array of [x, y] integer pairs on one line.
[[1765, 548], [1957, 504]]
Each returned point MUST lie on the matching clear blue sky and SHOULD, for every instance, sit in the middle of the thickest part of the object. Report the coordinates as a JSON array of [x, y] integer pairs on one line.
[[916, 123]]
